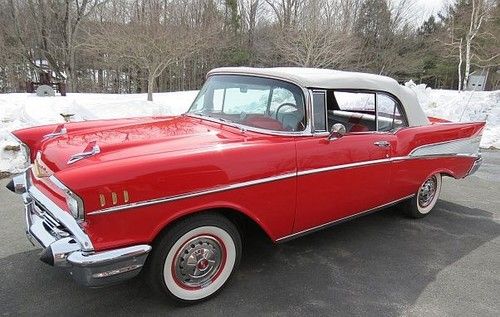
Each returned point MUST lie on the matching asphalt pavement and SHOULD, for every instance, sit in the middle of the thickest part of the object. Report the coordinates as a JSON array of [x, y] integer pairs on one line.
[[383, 264]]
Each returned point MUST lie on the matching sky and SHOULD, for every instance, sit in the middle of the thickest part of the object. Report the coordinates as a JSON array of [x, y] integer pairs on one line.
[[426, 8], [432, 6]]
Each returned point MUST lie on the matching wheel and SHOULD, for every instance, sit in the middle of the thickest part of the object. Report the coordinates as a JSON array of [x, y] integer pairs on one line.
[[425, 199], [195, 258]]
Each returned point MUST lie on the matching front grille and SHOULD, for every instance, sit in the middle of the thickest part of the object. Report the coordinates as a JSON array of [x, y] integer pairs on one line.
[[50, 223]]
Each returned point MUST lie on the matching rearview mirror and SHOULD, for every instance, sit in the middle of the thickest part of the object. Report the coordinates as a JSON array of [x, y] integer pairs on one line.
[[338, 130]]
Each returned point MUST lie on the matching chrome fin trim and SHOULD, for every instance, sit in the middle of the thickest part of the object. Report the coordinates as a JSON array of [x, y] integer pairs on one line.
[[192, 194], [284, 176], [462, 147], [350, 165]]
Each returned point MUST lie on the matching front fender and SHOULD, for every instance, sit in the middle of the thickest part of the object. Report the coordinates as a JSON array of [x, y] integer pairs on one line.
[[212, 206]]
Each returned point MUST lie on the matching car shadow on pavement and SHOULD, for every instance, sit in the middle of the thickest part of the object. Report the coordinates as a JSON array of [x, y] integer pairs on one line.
[[374, 265]]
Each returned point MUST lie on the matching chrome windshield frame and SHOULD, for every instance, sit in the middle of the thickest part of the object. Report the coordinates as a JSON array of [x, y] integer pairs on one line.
[[307, 107]]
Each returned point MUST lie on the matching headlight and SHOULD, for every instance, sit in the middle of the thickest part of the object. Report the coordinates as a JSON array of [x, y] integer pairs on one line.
[[75, 203], [73, 206]]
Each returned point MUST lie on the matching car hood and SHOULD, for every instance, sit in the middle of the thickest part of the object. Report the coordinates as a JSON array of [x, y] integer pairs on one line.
[[134, 138]]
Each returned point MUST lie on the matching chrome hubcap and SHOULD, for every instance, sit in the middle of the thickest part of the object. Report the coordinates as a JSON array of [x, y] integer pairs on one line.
[[198, 262], [427, 192]]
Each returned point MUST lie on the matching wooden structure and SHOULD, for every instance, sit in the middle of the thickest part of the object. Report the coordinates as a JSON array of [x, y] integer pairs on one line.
[[46, 79]]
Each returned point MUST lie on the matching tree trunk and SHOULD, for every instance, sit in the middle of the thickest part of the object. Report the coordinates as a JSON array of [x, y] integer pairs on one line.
[[100, 80], [70, 78], [467, 63], [151, 87], [460, 66]]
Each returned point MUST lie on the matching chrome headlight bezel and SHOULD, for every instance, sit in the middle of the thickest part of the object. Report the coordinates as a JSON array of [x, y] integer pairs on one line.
[[75, 205], [73, 201]]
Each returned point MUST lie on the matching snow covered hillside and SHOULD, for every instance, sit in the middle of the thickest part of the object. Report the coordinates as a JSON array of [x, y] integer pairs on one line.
[[463, 107], [24, 110]]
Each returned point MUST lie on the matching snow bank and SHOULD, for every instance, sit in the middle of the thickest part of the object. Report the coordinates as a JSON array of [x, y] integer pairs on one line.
[[463, 107], [25, 110]]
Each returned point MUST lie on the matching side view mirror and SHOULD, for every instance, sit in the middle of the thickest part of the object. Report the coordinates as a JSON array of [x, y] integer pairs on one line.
[[338, 130]]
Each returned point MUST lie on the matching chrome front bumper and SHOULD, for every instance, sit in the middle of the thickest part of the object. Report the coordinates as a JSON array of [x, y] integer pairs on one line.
[[66, 245]]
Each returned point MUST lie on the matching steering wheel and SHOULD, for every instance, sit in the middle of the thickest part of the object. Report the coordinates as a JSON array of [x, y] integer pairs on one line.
[[283, 105]]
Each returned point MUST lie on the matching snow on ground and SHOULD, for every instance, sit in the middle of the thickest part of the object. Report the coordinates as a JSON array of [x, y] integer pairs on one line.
[[24, 110]]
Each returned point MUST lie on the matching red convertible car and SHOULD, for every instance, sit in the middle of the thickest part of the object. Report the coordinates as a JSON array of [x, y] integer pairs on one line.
[[291, 150]]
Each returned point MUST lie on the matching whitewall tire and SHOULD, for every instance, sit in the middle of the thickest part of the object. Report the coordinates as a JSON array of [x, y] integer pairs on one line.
[[425, 198], [195, 258]]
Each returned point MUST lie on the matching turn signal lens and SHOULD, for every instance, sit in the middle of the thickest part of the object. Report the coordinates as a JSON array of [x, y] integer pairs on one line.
[[39, 168]]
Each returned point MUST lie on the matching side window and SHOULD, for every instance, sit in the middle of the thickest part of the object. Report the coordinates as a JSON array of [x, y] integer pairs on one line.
[[319, 111], [355, 101], [355, 110], [388, 115]]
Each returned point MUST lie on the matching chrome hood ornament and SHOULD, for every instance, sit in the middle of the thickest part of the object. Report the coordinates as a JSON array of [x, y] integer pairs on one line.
[[91, 150], [59, 130]]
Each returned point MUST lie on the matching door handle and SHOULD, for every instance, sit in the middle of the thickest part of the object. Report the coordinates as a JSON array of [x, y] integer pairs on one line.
[[382, 144]]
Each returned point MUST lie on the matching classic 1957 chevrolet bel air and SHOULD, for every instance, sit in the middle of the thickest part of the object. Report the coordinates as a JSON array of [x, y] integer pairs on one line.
[[291, 150]]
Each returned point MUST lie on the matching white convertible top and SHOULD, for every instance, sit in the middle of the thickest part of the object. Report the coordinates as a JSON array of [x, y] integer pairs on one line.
[[335, 79]]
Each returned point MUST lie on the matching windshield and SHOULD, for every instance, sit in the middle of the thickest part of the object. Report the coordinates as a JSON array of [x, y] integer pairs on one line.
[[252, 101]]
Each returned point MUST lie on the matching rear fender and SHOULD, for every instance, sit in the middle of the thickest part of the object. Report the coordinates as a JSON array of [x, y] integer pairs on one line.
[[440, 139], [443, 172], [434, 120]]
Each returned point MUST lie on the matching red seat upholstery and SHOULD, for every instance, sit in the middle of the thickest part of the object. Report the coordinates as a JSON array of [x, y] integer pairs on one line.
[[260, 121], [359, 128], [357, 125]]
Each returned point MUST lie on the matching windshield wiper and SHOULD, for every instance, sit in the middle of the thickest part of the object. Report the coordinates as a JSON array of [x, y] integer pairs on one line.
[[201, 114], [231, 123], [223, 120]]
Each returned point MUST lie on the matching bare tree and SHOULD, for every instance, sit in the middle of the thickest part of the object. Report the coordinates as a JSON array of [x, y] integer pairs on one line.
[[286, 11], [151, 41], [467, 36], [159, 45], [316, 40], [50, 30], [479, 12], [249, 10]]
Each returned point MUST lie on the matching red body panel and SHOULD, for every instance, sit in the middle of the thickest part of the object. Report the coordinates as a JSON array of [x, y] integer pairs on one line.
[[434, 120], [153, 158], [325, 196]]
